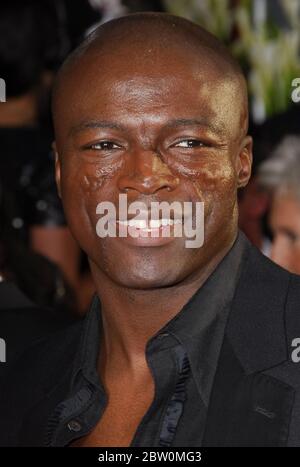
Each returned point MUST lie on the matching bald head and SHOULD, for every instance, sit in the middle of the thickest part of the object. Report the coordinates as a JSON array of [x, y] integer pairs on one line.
[[155, 39], [155, 31]]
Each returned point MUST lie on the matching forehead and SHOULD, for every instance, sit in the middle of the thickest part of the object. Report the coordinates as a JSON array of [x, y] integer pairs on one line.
[[150, 87]]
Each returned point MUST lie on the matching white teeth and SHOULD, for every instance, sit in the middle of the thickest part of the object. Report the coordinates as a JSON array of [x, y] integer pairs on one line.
[[123, 223], [153, 224], [164, 222], [139, 224]]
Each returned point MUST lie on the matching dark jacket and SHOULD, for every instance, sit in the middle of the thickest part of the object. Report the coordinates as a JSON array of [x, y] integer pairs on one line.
[[255, 399], [22, 322]]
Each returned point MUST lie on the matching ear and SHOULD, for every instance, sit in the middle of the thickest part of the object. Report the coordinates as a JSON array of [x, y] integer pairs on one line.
[[244, 162], [57, 168]]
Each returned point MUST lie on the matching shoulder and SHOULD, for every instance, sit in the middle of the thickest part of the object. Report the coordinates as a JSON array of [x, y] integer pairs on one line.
[[262, 283], [276, 279], [274, 285], [261, 272], [22, 322], [34, 369], [264, 266]]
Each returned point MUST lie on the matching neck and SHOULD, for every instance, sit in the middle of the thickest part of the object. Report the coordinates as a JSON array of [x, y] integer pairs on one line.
[[19, 111], [132, 316]]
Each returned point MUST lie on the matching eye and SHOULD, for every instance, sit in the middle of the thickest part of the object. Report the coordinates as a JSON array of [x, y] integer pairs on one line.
[[291, 236], [189, 143], [104, 146]]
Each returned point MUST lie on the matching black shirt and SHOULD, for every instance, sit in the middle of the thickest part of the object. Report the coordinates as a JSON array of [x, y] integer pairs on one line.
[[51, 393], [182, 356]]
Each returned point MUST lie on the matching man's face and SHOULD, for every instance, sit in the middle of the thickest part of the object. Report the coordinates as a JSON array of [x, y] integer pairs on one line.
[[285, 224], [172, 132]]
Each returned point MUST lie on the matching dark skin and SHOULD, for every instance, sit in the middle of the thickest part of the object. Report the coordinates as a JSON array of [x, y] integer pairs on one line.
[[162, 140]]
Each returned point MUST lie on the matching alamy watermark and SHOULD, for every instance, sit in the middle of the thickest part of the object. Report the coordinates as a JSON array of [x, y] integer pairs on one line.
[[159, 219], [296, 92], [295, 355], [2, 90], [2, 351]]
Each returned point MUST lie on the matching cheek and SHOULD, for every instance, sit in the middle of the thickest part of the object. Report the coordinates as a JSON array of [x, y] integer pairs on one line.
[[214, 183], [84, 185], [82, 179], [92, 177]]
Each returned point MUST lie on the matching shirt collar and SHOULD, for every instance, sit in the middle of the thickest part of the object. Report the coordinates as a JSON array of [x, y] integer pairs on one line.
[[200, 325]]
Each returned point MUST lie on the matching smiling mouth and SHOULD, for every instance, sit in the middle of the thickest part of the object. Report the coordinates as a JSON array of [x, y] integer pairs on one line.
[[148, 233], [156, 224]]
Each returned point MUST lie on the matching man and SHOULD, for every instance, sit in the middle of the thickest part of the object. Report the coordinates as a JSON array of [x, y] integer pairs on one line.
[[190, 346], [280, 175]]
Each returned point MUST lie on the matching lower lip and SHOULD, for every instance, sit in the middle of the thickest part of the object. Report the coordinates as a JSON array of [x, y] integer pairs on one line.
[[140, 237]]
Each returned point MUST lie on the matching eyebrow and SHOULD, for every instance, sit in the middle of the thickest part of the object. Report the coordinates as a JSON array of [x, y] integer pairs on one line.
[[175, 123]]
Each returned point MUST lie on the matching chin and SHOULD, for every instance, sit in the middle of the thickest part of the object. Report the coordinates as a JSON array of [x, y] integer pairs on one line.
[[144, 268], [145, 280]]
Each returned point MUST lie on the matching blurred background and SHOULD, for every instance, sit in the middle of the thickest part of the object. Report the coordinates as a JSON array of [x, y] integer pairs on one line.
[[37, 251]]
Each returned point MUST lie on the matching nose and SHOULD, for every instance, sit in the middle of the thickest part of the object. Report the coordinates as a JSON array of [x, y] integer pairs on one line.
[[147, 174]]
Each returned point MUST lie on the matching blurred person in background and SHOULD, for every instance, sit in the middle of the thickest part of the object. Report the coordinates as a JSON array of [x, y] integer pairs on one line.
[[254, 200], [39, 279], [253, 207], [280, 176], [34, 297], [31, 48]]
